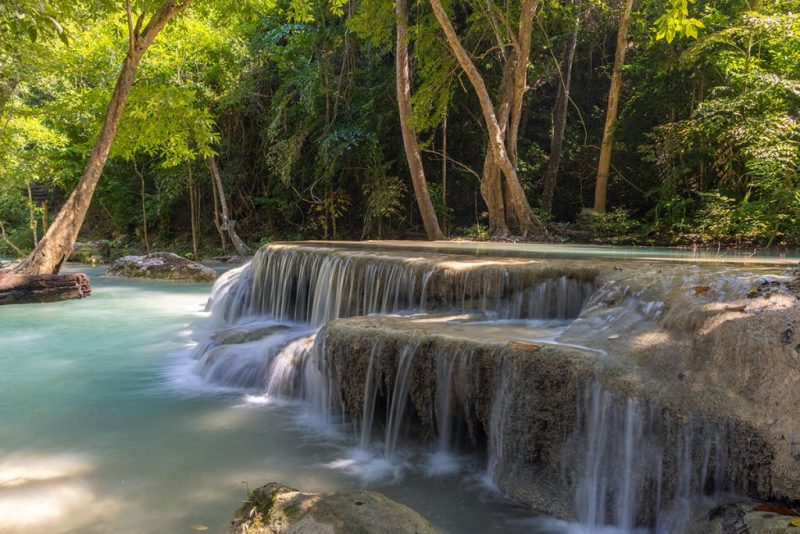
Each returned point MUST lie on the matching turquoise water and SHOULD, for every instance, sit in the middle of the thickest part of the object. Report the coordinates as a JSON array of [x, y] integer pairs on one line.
[[105, 427]]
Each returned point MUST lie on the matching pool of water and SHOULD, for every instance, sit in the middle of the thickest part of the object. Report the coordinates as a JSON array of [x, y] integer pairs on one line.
[[105, 427]]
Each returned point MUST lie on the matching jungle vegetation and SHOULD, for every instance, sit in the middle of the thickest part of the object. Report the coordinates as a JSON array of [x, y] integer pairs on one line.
[[208, 126]]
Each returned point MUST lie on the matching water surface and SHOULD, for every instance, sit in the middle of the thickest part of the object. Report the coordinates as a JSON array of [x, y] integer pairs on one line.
[[105, 426]]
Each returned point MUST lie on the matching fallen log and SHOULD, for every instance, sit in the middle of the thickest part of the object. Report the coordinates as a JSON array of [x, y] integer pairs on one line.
[[34, 288]]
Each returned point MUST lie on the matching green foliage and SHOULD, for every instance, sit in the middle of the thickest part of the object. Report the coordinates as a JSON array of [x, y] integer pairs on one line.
[[384, 199], [31, 19], [165, 122], [676, 22], [296, 99], [616, 225], [477, 231]]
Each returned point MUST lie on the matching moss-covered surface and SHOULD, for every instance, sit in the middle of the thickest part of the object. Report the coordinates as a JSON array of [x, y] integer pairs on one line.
[[275, 508], [162, 266]]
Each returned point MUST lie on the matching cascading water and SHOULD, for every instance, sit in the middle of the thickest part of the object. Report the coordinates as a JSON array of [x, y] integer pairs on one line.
[[627, 462], [639, 464], [312, 285]]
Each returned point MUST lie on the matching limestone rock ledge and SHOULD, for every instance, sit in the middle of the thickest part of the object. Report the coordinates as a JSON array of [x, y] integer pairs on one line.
[[277, 509], [533, 407], [162, 266]]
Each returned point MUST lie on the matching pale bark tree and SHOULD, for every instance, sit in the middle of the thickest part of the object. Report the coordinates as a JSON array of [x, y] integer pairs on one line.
[[560, 119], [227, 225], [604, 165], [410, 141], [496, 129], [57, 243]]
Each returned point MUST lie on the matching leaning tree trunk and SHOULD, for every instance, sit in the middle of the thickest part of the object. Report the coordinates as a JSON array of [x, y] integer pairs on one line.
[[410, 143], [528, 221], [601, 186], [559, 120], [524, 38], [56, 245], [227, 225]]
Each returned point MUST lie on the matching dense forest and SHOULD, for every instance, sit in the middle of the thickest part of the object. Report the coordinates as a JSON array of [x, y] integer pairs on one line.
[[634, 121]]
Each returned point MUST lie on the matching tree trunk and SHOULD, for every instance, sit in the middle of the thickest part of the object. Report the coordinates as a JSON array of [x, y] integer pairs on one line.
[[193, 197], [56, 245], [410, 143], [527, 11], [601, 187], [33, 222], [144, 207], [227, 225], [492, 190], [559, 120], [519, 201], [28, 289], [217, 219]]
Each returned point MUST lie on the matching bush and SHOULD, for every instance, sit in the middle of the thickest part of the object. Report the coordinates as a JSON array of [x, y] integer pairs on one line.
[[615, 225]]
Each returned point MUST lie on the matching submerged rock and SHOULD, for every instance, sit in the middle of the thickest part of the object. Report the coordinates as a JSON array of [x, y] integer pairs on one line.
[[274, 508], [162, 266], [238, 336]]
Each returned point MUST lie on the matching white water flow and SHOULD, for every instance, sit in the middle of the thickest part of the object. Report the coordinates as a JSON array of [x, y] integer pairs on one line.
[[626, 449], [399, 402], [307, 285], [627, 463]]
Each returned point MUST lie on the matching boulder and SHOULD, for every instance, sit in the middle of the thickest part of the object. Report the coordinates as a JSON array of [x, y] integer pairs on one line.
[[90, 252], [736, 518], [162, 266], [274, 508]]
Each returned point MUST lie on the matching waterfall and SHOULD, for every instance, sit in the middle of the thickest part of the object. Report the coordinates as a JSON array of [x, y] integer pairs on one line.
[[639, 464], [294, 323], [314, 285]]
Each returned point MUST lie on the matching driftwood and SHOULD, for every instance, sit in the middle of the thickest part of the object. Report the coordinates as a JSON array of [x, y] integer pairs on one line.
[[26, 289]]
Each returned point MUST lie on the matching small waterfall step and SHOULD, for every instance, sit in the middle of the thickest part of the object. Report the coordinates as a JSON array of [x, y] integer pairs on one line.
[[315, 284], [563, 431]]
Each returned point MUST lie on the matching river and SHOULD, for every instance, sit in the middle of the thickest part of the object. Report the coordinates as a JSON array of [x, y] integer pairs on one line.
[[104, 426]]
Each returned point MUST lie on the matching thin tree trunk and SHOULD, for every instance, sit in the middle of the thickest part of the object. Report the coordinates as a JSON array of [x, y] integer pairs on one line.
[[4, 235], [227, 225], [144, 207], [45, 216], [410, 142], [529, 222], [217, 223], [560, 120], [56, 245], [444, 172], [33, 223], [527, 12], [601, 187], [193, 212]]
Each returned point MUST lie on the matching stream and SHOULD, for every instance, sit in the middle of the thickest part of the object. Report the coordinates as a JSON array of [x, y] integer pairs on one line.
[[104, 426]]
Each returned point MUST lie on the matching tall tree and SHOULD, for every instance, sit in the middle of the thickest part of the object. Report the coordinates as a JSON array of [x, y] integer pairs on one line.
[[601, 186], [56, 245], [560, 118], [527, 221], [410, 141]]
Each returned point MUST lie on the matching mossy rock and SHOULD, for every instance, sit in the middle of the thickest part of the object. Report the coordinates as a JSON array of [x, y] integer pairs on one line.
[[162, 266], [274, 508]]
